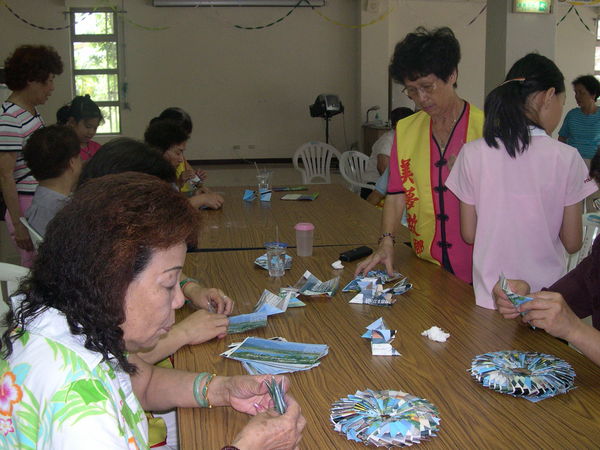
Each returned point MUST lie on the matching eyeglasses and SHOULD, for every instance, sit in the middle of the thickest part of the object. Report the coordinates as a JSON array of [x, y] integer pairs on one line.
[[413, 92]]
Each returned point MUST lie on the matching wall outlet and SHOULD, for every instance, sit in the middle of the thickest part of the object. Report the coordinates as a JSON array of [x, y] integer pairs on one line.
[[237, 147], [251, 146]]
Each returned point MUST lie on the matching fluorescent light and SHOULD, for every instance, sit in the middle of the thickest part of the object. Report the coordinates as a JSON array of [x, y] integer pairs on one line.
[[316, 3]]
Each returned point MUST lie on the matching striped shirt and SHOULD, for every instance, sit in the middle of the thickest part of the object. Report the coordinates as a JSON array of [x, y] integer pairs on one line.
[[16, 125], [582, 131]]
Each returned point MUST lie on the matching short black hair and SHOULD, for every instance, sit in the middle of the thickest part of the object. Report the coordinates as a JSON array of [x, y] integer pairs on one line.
[[590, 83], [127, 155], [424, 52], [49, 150], [178, 115], [164, 133], [400, 113]]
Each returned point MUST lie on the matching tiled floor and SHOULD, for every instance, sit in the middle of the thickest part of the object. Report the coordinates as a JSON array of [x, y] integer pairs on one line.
[[218, 175]]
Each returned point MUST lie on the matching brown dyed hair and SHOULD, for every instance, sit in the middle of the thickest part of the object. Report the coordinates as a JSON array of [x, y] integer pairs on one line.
[[94, 248], [31, 63]]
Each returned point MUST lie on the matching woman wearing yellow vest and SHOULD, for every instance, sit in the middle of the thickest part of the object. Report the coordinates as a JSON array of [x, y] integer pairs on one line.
[[427, 144]]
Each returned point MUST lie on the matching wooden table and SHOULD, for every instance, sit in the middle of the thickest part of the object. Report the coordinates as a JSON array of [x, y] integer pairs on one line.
[[471, 415], [340, 217]]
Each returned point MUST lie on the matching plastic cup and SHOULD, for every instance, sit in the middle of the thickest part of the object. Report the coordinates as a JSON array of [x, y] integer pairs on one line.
[[263, 179], [276, 258], [304, 238]]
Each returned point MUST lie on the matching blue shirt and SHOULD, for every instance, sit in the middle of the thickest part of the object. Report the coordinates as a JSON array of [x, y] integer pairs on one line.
[[582, 131]]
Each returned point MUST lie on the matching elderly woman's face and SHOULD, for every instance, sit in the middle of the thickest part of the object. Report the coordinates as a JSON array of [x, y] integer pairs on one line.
[[151, 299], [583, 96], [430, 93]]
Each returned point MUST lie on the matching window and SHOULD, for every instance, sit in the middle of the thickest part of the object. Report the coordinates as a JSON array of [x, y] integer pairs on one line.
[[95, 57]]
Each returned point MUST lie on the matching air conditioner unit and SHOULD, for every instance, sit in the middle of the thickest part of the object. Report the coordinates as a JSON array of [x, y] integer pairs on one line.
[[288, 3]]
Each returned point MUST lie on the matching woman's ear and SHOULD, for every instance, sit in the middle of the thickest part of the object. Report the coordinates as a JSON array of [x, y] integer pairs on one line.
[[548, 94], [453, 77], [71, 121]]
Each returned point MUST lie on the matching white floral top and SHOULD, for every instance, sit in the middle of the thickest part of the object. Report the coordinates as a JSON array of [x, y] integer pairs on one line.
[[56, 394]]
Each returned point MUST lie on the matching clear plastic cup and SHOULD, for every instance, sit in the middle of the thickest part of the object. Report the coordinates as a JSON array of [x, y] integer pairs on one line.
[[304, 238], [276, 258], [263, 179]]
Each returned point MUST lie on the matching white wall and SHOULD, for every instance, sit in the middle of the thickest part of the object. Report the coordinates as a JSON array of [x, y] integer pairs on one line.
[[242, 88], [574, 51]]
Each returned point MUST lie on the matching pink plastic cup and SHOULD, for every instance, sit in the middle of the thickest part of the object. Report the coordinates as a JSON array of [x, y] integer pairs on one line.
[[304, 238]]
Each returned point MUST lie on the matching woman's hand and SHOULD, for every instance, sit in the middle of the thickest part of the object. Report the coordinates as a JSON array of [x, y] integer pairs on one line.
[[504, 305], [210, 200], [384, 255], [549, 311], [210, 299], [22, 238], [186, 175], [202, 326], [245, 393], [270, 430]]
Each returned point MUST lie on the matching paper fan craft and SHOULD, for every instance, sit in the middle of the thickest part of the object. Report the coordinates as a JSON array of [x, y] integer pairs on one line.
[[531, 375], [385, 418]]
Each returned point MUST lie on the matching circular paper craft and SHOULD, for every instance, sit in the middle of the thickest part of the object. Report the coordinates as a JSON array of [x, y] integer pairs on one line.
[[528, 374], [385, 418]]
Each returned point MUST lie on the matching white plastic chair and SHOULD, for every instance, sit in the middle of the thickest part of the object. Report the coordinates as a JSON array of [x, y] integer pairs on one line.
[[10, 276], [352, 167], [591, 228], [36, 238], [316, 161]]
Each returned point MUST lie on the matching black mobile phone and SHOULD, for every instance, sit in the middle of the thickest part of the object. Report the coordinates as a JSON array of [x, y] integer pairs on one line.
[[355, 253]]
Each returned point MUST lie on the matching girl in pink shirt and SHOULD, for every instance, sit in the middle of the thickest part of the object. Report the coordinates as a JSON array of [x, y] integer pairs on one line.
[[520, 190], [84, 116]]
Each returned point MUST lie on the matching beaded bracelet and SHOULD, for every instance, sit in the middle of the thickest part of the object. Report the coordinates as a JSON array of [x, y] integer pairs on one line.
[[384, 235]]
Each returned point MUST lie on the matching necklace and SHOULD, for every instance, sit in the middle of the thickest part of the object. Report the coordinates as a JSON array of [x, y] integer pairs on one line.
[[446, 132]]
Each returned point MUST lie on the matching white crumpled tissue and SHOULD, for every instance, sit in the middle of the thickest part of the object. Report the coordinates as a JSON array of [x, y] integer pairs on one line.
[[436, 334], [337, 265]]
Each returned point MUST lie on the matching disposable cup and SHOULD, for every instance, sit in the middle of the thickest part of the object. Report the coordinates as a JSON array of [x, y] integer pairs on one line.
[[276, 258], [304, 238]]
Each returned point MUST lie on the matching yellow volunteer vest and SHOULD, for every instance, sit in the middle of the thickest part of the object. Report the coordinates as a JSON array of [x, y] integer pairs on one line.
[[414, 164]]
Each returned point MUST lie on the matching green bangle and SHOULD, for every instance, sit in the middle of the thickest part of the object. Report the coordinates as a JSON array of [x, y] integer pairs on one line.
[[202, 402], [205, 388], [182, 283]]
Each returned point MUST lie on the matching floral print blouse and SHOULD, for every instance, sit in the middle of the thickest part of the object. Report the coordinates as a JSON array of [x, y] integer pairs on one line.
[[56, 394]]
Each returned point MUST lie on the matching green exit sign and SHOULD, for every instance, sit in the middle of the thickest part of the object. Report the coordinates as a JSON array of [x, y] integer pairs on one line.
[[532, 6]]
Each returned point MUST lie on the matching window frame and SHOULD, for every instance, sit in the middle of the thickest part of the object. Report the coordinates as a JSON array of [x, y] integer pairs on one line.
[[113, 37], [597, 48]]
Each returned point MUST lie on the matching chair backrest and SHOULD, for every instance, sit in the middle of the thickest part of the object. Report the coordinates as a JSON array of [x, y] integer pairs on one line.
[[36, 238], [352, 167], [591, 229], [10, 276], [316, 161]]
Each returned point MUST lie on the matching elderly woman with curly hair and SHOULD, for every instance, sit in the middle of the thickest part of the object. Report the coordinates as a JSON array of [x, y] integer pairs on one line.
[[427, 144], [70, 376], [30, 73]]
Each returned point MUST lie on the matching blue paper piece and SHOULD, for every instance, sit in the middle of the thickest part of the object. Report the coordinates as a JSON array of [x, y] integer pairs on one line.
[[269, 310], [265, 195], [377, 324], [249, 195]]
